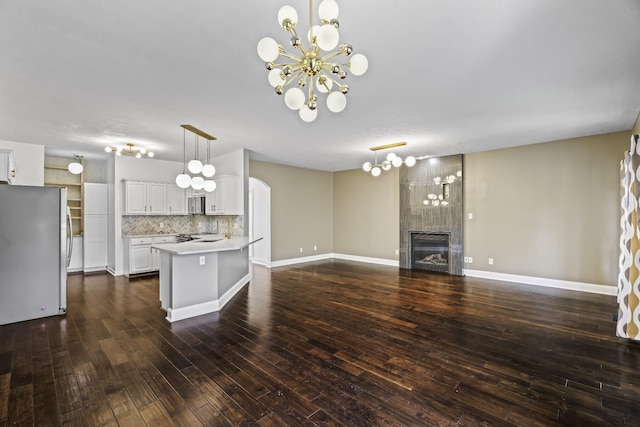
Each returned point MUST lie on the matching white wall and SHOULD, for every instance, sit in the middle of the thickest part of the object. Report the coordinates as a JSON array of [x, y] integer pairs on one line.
[[29, 160]]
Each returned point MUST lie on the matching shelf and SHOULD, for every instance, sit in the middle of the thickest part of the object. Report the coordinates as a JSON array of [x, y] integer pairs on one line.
[[63, 184], [58, 175]]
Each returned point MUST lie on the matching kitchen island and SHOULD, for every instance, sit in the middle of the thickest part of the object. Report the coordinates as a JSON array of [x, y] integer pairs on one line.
[[200, 276]]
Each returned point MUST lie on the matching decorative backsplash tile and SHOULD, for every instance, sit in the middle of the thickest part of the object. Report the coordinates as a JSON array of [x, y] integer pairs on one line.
[[133, 225]]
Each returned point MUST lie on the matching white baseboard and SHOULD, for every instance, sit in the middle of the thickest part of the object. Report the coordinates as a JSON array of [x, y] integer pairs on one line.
[[175, 314], [541, 281], [382, 261], [301, 260]]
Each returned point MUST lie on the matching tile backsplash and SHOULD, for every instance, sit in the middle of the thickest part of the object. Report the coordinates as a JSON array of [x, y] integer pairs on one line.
[[134, 225]]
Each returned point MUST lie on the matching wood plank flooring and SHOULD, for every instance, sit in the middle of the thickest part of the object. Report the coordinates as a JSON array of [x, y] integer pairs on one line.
[[328, 343]]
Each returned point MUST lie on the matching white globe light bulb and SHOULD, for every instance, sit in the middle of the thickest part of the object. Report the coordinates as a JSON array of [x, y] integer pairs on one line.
[[275, 78], [367, 167], [386, 165], [336, 102], [376, 171], [327, 37], [308, 115], [209, 185], [75, 168], [183, 180], [391, 156], [150, 154], [194, 166], [358, 64], [208, 170], [294, 98], [396, 162], [268, 49], [197, 183], [328, 10], [108, 149], [287, 12], [411, 161]]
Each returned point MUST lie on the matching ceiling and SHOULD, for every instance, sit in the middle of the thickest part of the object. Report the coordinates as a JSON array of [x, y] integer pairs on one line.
[[446, 76]]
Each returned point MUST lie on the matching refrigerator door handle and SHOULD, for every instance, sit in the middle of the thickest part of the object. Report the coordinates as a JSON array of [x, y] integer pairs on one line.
[[70, 238]]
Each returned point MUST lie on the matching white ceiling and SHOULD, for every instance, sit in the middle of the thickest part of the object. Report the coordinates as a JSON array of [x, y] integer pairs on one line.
[[446, 76]]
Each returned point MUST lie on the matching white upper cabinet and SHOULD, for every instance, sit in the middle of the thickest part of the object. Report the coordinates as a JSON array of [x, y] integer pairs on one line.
[[7, 167], [227, 198], [176, 200], [145, 198]]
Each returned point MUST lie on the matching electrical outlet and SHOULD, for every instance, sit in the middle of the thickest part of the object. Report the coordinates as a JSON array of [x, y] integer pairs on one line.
[[490, 261], [397, 252], [466, 260], [300, 250], [161, 225], [202, 260], [315, 247], [470, 260], [470, 215]]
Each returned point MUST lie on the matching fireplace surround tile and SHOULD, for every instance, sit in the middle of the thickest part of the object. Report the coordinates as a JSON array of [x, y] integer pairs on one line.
[[416, 216]]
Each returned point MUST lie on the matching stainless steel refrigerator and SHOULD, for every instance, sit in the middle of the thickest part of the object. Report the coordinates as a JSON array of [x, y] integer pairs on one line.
[[35, 249]]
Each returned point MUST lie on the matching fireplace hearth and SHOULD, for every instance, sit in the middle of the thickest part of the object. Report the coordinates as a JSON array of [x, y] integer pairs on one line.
[[430, 251]]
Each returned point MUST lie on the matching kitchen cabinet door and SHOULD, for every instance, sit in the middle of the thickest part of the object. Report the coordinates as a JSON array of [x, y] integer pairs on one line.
[[227, 198], [95, 243], [157, 198], [140, 259], [176, 200], [135, 198], [145, 198]]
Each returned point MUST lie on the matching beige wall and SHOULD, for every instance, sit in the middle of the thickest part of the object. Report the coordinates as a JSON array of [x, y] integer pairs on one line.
[[546, 210], [301, 209], [636, 127], [365, 214]]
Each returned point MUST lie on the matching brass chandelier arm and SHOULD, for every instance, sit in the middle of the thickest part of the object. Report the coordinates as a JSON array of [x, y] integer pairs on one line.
[[290, 55]]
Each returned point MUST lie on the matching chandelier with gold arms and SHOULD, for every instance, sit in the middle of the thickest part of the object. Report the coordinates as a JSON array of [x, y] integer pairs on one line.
[[392, 160], [129, 150], [311, 67]]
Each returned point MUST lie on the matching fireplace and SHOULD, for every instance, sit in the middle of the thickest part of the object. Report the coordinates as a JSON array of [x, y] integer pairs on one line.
[[430, 251]]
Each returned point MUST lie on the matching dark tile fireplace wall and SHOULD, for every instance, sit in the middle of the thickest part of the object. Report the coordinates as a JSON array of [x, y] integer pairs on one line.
[[416, 184]]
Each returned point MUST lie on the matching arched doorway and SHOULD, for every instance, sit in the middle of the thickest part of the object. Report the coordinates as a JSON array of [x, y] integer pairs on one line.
[[260, 221]]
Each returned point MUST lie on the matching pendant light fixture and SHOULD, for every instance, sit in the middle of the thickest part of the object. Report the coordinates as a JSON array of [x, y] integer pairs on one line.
[[392, 160], [195, 166], [76, 167]]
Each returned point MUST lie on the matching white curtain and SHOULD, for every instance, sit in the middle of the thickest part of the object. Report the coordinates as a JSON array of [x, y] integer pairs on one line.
[[629, 264]]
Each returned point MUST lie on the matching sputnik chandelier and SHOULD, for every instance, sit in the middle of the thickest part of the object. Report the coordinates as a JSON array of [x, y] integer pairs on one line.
[[311, 68], [129, 150], [392, 160], [201, 172]]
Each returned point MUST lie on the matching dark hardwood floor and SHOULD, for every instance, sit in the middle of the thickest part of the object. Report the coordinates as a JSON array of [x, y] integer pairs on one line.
[[332, 343]]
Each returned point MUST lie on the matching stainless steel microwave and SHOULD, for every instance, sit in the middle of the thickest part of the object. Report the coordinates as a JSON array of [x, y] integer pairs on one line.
[[196, 205]]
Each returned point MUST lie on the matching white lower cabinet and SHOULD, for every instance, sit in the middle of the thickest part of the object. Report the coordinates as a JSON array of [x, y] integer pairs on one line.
[[139, 257]]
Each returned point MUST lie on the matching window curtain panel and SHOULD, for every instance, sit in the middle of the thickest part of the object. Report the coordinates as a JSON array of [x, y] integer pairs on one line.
[[628, 325]]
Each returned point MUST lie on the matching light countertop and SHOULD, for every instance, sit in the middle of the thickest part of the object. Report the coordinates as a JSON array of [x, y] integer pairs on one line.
[[202, 245]]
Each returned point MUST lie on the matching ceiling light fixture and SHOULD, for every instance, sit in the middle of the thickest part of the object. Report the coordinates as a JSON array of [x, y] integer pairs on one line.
[[76, 167], [311, 67], [392, 160], [129, 150], [195, 166]]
